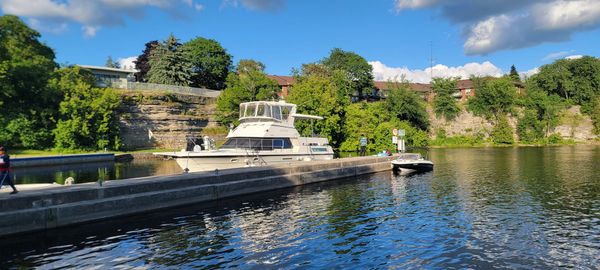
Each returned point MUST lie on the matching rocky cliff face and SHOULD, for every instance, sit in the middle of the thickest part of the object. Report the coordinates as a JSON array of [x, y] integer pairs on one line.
[[164, 120], [573, 125]]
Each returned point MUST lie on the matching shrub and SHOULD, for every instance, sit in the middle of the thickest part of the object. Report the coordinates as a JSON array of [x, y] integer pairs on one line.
[[502, 132]]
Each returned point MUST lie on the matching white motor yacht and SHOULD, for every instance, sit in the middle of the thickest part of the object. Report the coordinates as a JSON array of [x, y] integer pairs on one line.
[[266, 136]]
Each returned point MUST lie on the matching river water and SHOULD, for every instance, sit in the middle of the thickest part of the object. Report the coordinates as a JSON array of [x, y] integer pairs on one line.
[[503, 208], [94, 171]]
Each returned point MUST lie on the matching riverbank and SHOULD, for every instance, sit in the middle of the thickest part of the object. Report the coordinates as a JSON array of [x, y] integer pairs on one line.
[[51, 206]]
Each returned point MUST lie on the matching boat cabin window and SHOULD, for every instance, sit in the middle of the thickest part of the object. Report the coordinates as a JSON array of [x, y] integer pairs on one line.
[[257, 144], [276, 111], [285, 112], [260, 110], [250, 110]]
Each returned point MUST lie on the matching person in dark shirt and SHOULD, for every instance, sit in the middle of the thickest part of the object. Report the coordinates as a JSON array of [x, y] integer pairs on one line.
[[5, 176]]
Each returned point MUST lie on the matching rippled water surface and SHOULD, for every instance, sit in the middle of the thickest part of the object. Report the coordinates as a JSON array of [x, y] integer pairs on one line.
[[480, 208], [94, 171]]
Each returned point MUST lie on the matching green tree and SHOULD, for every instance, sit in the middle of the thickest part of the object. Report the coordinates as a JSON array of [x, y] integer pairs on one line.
[[362, 118], [494, 97], [250, 86], [88, 118], [356, 69], [595, 114], [514, 75], [319, 95], [142, 63], [576, 80], [210, 63], [529, 128], [110, 63], [249, 65], [26, 64], [376, 123], [444, 103], [168, 64], [502, 133], [405, 104]]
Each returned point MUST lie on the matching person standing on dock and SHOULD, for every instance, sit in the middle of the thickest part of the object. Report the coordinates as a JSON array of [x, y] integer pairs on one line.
[[363, 145], [5, 170]]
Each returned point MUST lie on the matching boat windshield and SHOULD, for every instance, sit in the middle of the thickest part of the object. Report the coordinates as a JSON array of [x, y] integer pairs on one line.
[[277, 112], [410, 156], [257, 143]]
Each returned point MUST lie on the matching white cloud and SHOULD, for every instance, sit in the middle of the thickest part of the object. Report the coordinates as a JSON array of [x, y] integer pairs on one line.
[[261, 5], [381, 72], [571, 57], [529, 73], [495, 25], [127, 62], [49, 27], [90, 31], [557, 55], [92, 15], [414, 4]]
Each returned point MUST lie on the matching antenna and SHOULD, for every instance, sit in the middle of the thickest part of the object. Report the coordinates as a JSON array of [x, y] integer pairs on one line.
[[430, 67], [431, 60]]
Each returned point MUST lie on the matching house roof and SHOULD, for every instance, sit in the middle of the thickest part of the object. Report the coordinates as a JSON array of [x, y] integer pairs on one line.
[[417, 87], [464, 84], [283, 80], [126, 71]]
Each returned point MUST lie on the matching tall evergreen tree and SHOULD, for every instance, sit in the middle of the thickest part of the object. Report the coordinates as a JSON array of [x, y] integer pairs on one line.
[[168, 64], [514, 75], [142, 63]]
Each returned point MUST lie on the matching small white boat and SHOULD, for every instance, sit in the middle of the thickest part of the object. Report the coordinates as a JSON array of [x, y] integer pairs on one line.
[[266, 136], [411, 163]]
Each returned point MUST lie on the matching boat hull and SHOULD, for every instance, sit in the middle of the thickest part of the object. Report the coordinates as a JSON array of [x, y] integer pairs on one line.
[[412, 167], [197, 164]]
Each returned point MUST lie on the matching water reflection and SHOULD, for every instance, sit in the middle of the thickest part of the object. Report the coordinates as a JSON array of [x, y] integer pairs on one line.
[[91, 172], [480, 208]]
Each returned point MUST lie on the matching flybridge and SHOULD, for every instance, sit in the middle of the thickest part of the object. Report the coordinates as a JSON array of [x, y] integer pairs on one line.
[[277, 111]]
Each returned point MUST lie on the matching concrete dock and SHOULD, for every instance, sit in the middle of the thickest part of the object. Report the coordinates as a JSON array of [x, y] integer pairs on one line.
[[50, 206]]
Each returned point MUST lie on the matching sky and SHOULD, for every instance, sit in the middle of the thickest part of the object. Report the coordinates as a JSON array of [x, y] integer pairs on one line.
[[397, 37]]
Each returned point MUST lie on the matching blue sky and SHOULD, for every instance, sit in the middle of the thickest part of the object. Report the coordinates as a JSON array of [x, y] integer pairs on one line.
[[467, 36]]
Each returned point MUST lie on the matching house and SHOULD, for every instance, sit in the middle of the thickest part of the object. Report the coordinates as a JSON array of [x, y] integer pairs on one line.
[[465, 89], [111, 77], [284, 82], [422, 89]]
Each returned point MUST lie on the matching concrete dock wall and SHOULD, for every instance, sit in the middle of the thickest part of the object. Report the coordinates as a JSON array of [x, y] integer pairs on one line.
[[60, 160], [66, 205]]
